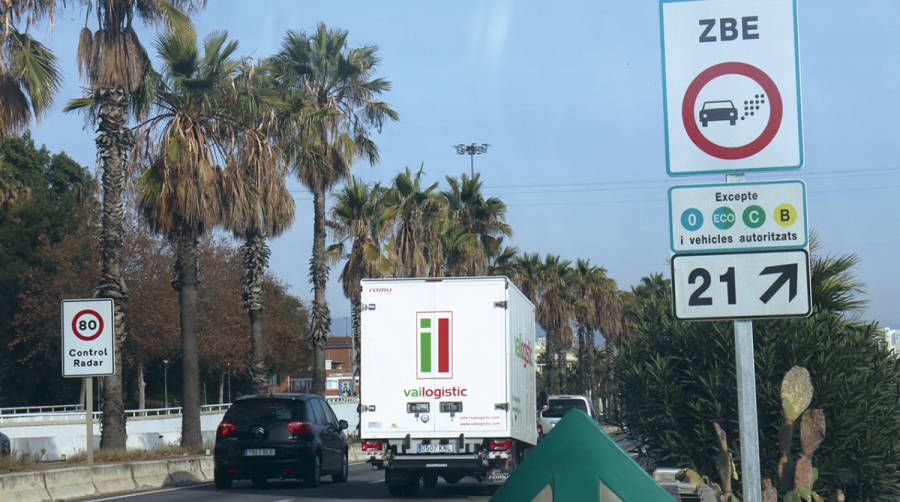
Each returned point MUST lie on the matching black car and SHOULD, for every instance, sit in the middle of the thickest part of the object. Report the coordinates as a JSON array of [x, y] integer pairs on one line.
[[280, 436]]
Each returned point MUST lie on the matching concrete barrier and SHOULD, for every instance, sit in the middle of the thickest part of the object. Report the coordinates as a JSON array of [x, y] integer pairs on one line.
[[112, 478], [23, 486], [69, 483], [149, 473], [184, 471]]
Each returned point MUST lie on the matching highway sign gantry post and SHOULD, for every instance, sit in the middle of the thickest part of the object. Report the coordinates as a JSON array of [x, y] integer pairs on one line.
[[731, 86], [731, 101], [88, 350]]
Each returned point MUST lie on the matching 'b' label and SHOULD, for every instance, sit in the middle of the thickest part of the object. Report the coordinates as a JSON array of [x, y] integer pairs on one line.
[[785, 215]]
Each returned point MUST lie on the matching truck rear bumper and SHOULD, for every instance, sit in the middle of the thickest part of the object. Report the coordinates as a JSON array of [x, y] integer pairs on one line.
[[422, 462]]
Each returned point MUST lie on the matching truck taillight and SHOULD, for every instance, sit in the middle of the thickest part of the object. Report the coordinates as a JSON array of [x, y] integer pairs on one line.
[[299, 428], [225, 429], [371, 446], [500, 445]]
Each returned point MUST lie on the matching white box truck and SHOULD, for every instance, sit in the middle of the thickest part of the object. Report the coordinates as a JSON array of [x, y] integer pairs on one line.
[[447, 379]]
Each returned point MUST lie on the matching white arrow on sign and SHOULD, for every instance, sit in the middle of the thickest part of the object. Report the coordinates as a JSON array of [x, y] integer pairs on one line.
[[753, 285]]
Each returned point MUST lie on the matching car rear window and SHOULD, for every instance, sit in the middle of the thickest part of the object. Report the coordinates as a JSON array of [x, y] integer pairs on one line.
[[559, 407], [261, 409]]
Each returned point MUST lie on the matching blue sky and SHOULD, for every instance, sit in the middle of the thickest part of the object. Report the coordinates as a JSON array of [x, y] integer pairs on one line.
[[569, 96]]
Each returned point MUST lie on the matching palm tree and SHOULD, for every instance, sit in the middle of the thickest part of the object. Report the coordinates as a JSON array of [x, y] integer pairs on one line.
[[29, 75], [260, 206], [181, 190], [595, 308], [476, 227], [116, 67], [503, 261], [359, 216], [553, 313], [338, 107], [418, 215]]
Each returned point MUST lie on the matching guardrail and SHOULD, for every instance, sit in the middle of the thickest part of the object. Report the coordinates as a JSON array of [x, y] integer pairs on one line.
[[75, 413], [37, 410]]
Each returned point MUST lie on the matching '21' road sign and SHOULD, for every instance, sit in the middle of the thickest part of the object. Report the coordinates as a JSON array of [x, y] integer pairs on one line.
[[761, 285], [731, 85]]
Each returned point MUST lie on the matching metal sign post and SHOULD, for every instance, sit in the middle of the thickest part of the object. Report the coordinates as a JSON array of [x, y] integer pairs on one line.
[[89, 417], [746, 389]]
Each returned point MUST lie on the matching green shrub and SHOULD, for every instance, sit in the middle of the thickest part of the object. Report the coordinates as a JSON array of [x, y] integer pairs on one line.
[[676, 379]]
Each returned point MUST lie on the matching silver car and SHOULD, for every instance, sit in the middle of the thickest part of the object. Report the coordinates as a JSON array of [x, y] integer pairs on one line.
[[557, 406]]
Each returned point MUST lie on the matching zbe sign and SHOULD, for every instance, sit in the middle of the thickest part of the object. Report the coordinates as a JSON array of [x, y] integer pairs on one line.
[[731, 85]]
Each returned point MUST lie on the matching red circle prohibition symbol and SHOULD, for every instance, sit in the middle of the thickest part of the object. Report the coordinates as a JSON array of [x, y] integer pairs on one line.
[[75, 325], [736, 152]]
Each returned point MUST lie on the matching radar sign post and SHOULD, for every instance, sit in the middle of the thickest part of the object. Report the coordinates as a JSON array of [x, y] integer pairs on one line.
[[88, 350]]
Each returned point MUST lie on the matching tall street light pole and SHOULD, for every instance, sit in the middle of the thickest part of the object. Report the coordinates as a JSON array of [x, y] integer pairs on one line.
[[472, 150], [166, 381]]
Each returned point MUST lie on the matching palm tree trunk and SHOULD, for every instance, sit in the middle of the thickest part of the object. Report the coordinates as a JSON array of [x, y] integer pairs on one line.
[[113, 141], [258, 370], [589, 369], [256, 258], [186, 285], [355, 310], [550, 357], [142, 386], [320, 318], [582, 361]]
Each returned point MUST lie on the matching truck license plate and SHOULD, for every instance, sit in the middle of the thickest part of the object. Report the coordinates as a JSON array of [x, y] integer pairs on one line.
[[437, 448], [259, 452]]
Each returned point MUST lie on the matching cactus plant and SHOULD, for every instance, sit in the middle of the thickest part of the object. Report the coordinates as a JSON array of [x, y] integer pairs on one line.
[[797, 475]]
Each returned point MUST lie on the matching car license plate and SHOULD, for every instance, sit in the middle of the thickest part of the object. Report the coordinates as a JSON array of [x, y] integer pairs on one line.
[[259, 452], [437, 448]]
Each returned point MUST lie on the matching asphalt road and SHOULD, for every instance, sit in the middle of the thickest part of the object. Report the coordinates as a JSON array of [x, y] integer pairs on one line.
[[364, 484]]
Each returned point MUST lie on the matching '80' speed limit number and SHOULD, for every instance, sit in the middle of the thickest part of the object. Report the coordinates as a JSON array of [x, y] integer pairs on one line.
[[749, 285]]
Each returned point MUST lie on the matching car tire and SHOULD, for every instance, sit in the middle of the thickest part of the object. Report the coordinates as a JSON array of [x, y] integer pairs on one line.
[[342, 476], [222, 480], [259, 481], [313, 477]]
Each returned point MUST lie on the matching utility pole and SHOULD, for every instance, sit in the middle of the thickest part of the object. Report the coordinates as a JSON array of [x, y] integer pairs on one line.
[[472, 150]]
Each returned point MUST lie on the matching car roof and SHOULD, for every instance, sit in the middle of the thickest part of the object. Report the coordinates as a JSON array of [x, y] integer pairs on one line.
[[293, 396], [566, 396]]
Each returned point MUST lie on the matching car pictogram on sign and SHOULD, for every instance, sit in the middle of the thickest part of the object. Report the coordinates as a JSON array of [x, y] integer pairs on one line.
[[718, 110]]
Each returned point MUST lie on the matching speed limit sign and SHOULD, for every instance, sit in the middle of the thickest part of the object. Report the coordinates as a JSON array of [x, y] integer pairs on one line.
[[87, 337]]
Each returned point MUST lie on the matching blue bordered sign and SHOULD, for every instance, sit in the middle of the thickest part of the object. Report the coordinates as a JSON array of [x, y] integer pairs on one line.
[[738, 216], [731, 86]]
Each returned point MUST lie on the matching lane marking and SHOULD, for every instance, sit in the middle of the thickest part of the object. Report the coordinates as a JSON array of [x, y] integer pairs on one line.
[[151, 492]]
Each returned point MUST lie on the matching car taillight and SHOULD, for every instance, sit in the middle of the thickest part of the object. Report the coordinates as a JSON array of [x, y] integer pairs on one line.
[[371, 446], [299, 428], [225, 429], [500, 445], [540, 430]]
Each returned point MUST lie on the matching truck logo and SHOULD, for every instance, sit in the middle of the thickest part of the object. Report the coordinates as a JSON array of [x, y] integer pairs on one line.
[[524, 352], [379, 290], [434, 345]]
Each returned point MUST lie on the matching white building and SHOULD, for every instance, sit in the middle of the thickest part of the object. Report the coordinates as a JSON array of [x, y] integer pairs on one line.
[[893, 338]]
